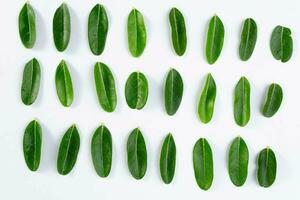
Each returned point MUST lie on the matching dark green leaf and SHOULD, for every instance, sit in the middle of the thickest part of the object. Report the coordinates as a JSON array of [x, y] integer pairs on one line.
[[137, 35], [248, 39], [267, 166], [31, 82], [101, 149], [178, 31], [136, 154], [105, 86], [62, 27], [207, 100], [203, 164], [136, 90], [64, 86], [242, 102], [27, 29], [238, 161], [168, 159], [97, 29], [282, 43], [68, 151], [273, 100], [173, 91], [214, 40], [32, 145]]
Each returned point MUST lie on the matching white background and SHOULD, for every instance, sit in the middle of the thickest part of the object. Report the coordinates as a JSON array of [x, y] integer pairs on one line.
[[281, 132]]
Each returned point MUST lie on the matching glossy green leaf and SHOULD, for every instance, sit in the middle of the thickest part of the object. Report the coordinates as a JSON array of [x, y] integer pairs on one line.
[[168, 159], [62, 27], [97, 29], [27, 30], [207, 100], [30, 82], [173, 91], [68, 151], [238, 161], [137, 35], [242, 102], [64, 86], [267, 166], [136, 90], [32, 145], [203, 164], [136, 154], [101, 149], [178, 30], [248, 39], [105, 87], [282, 43], [273, 100], [214, 39]]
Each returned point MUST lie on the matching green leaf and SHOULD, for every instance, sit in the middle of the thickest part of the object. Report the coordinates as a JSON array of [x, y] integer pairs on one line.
[[203, 164], [136, 154], [61, 27], [207, 100], [68, 151], [101, 149], [27, 30], [137, 35], [31, 82], [178, 31], [173, 91], [267, 166], [168, 159], [64, 86], [238, 161], [248, 39], [32, 145], [136, 90], [214, 39], [105, 87], [242, 102], [282, 43], [97, 29], [273, 100]]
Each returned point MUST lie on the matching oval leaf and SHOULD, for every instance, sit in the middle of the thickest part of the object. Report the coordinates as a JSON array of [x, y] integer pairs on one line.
[[273, 100], [97, 29], [238, 161], [203, 164], [178, 31], [267, 166], [173, 91], [101, 149], [242, 102], [136, 90], [207, 100], [30, 82], [27, 29], [282, 43], [136, 154], [32, 145], [137, 35], [248, 39], [61, 27], [168, 159], [105, 87], [64, 86], [68, 151], [214, 39]]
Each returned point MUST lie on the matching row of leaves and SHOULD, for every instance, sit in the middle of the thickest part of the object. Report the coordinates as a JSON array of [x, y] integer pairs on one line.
[[136, 91], [281, 41], [101, 151]]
